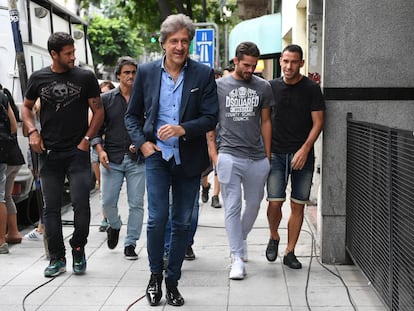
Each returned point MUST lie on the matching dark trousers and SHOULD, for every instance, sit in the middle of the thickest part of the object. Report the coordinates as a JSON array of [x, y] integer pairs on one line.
[[161, 175], [54, 167]]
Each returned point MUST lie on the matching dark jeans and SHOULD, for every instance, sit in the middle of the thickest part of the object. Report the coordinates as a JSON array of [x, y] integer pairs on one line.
[[161, 175], [54, 167], [194, 223]]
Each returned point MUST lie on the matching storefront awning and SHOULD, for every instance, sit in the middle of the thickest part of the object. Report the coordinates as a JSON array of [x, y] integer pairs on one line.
[[265, 31]]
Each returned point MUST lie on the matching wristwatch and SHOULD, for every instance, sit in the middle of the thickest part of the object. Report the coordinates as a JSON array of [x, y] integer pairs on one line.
[[87, 138]]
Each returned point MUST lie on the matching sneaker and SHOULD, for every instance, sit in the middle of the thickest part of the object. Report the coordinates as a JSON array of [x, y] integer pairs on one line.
[[4, 248], [189, 253], [33, 235], [238, 270], [55, 267], [129, 252], [103, 226], [291, 261], [204, 193], [79, 260], [113, 237], [215, 202], [272, 250], [245, 257]]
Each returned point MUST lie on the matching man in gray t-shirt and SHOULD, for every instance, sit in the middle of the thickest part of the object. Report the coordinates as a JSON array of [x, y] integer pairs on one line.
[[245, 131]]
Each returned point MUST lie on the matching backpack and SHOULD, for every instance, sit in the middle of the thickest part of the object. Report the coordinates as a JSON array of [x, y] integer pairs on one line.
[[6, 138]]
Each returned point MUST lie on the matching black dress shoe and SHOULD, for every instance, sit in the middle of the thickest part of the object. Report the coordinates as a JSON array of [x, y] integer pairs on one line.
[[189, 254], [113, 236], [154, 292], [174, 297]]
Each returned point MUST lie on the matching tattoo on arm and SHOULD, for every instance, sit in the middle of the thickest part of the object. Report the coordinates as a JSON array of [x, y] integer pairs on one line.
[[96, 103]]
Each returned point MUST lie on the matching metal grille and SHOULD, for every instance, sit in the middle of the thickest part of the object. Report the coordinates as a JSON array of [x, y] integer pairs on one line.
[[380, 209]]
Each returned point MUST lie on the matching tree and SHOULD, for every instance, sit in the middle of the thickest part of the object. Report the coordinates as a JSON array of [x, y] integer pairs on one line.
[[143, 19], [111, 38]]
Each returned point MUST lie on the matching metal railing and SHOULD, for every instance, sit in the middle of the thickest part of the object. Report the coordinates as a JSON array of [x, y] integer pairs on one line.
[[380, 209]]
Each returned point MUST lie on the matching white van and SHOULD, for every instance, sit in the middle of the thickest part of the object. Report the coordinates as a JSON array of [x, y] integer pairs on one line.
[[38, 19]]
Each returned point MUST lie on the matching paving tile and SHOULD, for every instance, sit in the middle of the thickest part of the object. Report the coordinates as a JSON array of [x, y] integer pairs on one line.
[[113, 283]]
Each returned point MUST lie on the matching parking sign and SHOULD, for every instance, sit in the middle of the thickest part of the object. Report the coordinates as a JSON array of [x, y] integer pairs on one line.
[[204, 46]]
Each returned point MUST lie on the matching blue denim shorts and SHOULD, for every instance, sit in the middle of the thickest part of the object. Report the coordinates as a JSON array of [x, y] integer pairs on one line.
[[301, 180]]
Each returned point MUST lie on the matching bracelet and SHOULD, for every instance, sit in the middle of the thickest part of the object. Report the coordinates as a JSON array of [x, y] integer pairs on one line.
[[31, 132]]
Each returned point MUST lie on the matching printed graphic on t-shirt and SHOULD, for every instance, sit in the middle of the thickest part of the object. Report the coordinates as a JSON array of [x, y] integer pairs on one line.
[[241, 103], [60, 94]]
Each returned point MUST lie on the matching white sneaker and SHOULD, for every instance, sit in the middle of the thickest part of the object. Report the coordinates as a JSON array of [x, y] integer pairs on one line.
[[4, 248], [33, 235], [238, 270], [245, 256]]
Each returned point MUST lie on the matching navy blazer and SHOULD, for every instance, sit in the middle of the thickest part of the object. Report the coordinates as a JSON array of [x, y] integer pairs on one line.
[[198, 111]]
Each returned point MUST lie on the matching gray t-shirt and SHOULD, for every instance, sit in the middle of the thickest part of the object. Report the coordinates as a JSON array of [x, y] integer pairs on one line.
[[240, 106]]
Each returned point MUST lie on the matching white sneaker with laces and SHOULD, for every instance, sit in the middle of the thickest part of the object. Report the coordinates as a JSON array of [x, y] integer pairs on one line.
[[245, 256], [33, 235], [238, 270]]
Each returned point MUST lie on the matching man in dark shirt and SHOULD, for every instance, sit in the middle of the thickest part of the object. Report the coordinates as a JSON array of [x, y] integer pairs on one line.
[[119, 160], [297, 120], [66, 93]]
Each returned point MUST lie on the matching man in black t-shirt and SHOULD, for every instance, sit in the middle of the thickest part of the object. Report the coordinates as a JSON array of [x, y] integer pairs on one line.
[[297, 120], [66, 92]]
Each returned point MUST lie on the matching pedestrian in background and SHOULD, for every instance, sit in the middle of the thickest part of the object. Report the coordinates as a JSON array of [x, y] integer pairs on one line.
[[8, 130], [119, 160], [104, 86], [14, 163], [245, 133], [37, 234], [215, 200], [172, 106], [66, 93], [297, 120]]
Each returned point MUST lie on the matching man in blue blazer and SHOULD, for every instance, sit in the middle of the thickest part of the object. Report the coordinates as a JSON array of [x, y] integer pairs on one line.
[[172, 106]]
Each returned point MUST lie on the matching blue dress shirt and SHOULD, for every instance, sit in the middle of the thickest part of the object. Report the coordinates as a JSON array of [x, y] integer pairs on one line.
[[169, 112]]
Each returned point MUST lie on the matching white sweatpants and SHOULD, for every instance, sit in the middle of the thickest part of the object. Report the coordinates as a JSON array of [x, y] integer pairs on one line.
[[232, 173]]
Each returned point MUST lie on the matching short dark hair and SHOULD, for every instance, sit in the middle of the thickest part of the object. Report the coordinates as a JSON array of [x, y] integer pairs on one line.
[[247, 48], [122, 61], [229, 68], [294, 48], [58, 40]]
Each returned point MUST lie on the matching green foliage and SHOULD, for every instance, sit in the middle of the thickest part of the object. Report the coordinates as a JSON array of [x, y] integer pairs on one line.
[[131, 27], [111, 38]]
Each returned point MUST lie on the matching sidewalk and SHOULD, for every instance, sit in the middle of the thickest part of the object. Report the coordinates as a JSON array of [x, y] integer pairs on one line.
[[113, 283]]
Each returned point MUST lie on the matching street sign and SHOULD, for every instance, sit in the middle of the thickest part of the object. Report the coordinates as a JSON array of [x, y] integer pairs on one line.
[[204, 46]]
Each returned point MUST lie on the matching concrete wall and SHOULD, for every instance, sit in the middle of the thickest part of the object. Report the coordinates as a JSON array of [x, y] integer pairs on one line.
[[367, 44]]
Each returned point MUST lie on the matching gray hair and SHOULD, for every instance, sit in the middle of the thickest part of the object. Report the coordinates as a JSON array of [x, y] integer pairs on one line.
[[174, 23]]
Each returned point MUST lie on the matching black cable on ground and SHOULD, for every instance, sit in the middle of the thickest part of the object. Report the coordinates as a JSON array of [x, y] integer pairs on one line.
[[43, 284], [35, 289], [313, 254], [133, 303]]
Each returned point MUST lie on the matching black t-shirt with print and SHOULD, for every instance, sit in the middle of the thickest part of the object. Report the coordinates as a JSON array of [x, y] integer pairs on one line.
[[64, 104]]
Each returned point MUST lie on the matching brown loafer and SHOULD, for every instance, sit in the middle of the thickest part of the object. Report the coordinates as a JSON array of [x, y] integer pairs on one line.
[[13, 240]]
